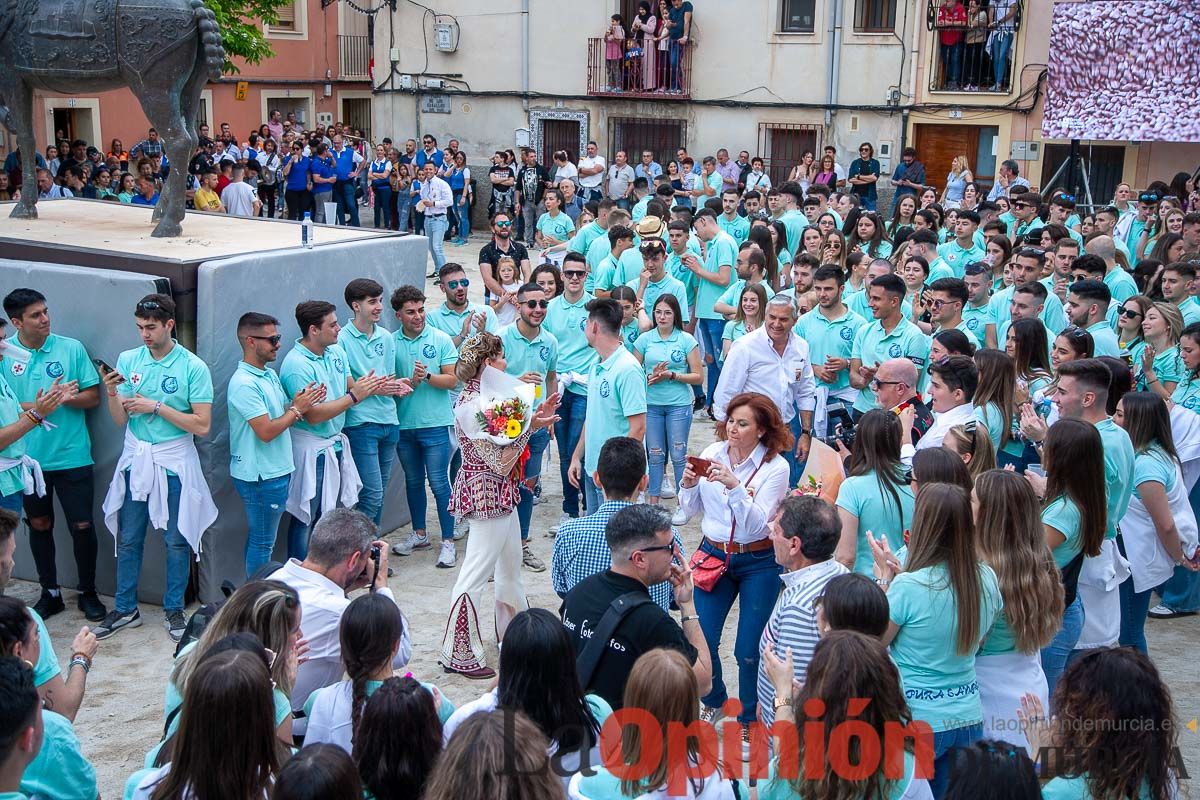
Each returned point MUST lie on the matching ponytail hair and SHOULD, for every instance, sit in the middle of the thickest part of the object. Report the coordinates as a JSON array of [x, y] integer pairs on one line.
[[370, 630]]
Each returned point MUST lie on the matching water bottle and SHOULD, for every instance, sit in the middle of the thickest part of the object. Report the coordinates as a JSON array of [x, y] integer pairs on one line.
[[306, 231]]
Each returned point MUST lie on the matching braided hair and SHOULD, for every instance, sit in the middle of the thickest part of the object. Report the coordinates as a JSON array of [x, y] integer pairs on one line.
[[370, 631]]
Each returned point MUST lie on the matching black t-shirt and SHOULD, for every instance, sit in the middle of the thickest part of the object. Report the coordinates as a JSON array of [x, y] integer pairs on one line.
[[645, 628], [490, 254]]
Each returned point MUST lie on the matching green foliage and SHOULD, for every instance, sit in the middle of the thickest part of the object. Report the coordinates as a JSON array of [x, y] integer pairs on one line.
[[240, 22]]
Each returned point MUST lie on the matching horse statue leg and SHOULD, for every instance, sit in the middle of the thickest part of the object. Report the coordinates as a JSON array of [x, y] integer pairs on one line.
[[20, 98]]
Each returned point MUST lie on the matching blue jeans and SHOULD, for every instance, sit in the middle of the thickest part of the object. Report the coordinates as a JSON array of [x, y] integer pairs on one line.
[[373, 446], [867, 203], [435, 229], [297, 531], [567, 431], [795, 465], [383, 207], [1182, 591], [754, 577], [1000, 50], [533, 468], [425, 454], [951, 57], [132, 522], [667, 430], [592, 495], [403, 210], [1055, 654], [14, 502], [944, 745], [710, 331], [347, 206], [462, 210], [265, 502]]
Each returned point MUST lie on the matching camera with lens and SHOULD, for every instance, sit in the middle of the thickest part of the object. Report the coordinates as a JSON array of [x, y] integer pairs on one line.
[[840, 427]]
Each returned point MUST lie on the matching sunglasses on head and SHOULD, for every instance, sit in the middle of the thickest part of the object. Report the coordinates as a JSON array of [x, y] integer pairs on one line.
[[532, 304], [149, 305], [274, 339], [463, 282]]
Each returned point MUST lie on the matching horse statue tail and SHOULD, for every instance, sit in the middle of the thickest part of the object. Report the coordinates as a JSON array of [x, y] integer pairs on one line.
[[210, 37]]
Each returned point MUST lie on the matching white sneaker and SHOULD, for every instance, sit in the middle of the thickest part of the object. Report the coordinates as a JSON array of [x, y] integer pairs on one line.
[[563, 519], [680, 517], [667, 491], [413, 542], [462, 526], [447, 557]]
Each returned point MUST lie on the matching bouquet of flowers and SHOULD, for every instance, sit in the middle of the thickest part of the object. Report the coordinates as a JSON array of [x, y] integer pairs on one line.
[[502, 410]]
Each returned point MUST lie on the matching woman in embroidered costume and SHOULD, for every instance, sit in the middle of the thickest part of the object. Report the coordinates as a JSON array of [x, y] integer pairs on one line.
[[486, 492]]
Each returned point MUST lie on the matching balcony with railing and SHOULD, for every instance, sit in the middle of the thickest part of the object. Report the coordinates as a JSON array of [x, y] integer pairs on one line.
[[629, 68], [354, 58], [972, 54]]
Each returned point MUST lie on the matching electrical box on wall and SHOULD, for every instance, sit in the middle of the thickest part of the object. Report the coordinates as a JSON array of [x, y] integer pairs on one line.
[[435, 83], [445, 36], [521, 137], [1026, 151], [324, 118], [406, 81]]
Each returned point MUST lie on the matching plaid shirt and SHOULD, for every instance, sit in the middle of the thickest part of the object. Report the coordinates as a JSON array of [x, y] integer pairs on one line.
[[581, 551], [147, 148]]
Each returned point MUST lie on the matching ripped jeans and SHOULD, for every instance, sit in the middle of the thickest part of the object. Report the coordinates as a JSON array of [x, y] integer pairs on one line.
[[265, 502], [667, 430]]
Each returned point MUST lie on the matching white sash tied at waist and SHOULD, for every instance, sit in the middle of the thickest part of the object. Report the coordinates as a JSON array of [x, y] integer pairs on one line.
[[340, 481], [1148, 559], [31, 473], [145, 466]]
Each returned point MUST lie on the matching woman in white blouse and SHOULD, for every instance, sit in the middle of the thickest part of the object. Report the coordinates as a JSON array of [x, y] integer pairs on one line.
[[737, 485]]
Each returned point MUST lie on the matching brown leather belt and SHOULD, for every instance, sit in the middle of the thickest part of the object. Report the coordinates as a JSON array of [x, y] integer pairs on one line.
[[737, 548]]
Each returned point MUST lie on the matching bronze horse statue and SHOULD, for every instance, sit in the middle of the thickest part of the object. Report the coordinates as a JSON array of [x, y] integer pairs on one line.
[[165, 51]]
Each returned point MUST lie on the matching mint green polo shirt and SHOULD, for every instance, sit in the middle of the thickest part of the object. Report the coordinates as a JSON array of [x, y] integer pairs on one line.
[[179, 380], [1190, 309], [733, 295], [958, 257], [47, 663], [691, 283], [977, 318], [521, 355], [1187, 394], [450, 322], [830, 338], [331, 369], [565, 321], [1121, 286], [428, 406], [1064, 516], [733, 331], [558, 226], [1135, 232], [604, 276], [639, 208], [1104, 340], [10, 412], [1153, 466], [673, 351], [1118, 466], [738, 228], [857, 302], [1034, 224], [794, 222], [59, 770], [366, 353], [873, 346], [865, 497], [582, 240], [254, 393], [1168, 366], [722, 251], [67, 446], [597, 250], [630, 331], [656, 289], [616, 390], [1052, 314]]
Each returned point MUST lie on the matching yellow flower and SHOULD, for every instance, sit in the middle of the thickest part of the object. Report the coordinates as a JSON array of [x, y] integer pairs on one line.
[[513, 430]]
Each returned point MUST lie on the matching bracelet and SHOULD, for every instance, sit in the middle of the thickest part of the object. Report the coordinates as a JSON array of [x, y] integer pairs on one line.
[[157, 407], [353, 396], [686, 617], [79, 659], [881, 583], [296, 411], [1152, 381], [34, 417]]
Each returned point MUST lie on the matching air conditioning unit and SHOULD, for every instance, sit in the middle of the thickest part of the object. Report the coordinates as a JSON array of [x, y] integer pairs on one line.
[[406, 82], [435, 83]]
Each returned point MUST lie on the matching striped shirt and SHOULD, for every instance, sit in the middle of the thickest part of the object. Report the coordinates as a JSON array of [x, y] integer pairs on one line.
[[793, 624], [581, 551]]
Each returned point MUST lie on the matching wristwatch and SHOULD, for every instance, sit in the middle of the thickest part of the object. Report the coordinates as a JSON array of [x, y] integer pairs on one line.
[[780, 702]]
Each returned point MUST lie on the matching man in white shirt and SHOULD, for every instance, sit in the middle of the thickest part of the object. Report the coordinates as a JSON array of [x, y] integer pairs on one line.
[[238, 198], [591, 173], [436, 197], [341, 559], [952, 384], [773, 360]]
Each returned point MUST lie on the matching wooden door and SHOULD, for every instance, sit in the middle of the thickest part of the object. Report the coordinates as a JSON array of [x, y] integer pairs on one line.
[[937, 145]]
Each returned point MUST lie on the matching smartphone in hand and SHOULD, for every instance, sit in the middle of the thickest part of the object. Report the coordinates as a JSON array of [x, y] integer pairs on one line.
[[700, 466]]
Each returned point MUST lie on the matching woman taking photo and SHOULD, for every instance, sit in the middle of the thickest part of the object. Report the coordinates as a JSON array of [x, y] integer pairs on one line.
[[1103, 696], [369, 638], [751, 309], [1074, 516], [1158, 531], [738, 495], [875, 497], [846, 666], [671, 359], [486, 492], [1129, 324], [1156, 363], [538, 678], [942, 606], [1009, 535], [662, 686]]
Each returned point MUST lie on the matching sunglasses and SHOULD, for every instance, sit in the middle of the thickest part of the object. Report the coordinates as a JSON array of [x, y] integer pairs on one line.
[[651, 250], [532, 304], [1020, 205], [1129, 312], [574, 273], [664, 547], [463, 282], [274, 339], [877, 384], [148, 305], [503, 224]]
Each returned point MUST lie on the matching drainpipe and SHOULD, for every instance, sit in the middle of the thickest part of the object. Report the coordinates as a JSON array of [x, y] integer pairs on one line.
[[912, 61], [525, 55], [831, 33]]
